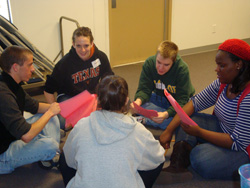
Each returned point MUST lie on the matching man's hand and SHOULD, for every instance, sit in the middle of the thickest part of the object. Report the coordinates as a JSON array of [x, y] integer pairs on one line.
[[161, 117], [54, 108], [38, 126], [132, 108]]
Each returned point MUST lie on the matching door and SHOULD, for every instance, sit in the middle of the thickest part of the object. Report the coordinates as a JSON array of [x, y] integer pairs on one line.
[[136, 28]]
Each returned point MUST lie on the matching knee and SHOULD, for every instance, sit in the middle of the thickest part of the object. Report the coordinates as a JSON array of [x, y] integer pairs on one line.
[[49, 145], [55, 121], [201, 163]]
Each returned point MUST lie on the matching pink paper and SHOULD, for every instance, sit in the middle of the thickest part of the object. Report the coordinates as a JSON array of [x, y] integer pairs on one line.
[[184, 117], [145, 112], [78, 107]]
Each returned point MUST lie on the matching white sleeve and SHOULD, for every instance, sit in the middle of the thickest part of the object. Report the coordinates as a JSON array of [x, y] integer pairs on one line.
[[153, 154]]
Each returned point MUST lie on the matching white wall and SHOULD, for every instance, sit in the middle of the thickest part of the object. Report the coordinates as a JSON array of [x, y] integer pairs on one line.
[[4, 9], [192, 22], [198, 23], [38, 20]]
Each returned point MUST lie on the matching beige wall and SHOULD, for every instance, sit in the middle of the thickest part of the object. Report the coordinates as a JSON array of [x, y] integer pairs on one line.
[[135, 29], [197, 23], [38, 20], [136, 26]]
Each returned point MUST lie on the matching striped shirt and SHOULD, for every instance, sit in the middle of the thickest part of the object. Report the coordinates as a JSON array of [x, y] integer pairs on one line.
[[238, 127]]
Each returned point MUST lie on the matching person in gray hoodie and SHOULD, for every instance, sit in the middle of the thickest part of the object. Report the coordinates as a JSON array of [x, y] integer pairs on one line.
[[110, 148]]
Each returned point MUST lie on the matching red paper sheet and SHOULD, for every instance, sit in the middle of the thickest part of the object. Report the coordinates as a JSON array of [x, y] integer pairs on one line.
[[145, 112], [184, 117], [78, 107]]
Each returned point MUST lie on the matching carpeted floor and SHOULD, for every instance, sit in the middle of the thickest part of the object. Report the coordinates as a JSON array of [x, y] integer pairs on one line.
[[202, 73]]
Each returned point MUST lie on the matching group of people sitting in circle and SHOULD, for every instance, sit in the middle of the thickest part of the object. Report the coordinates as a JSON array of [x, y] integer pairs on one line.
[[110, 148]]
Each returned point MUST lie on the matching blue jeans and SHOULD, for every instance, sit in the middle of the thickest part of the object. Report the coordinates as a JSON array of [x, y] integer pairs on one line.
[[43, 147], [160, 104], [208, 160]]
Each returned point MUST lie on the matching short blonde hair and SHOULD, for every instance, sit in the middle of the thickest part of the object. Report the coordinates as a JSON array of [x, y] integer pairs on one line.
[[168, 49]]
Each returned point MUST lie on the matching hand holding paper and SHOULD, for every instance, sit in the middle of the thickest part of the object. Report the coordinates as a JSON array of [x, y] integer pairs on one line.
[[184, 117], [145, 112], [78, 107]]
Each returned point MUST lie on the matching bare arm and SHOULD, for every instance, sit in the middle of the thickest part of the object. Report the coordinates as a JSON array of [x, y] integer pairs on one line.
[[166, 136], [38, 126], [43, 107], [49, 97], [220, 139]]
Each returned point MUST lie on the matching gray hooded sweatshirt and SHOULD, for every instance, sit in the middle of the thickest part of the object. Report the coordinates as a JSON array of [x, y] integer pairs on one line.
[[107, 149]]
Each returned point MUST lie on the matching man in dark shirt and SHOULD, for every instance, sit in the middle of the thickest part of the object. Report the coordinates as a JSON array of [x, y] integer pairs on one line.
[[24, 141]]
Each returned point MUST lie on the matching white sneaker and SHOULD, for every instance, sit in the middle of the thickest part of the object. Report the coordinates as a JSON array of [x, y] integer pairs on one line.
[[53, 163], [140, 119]]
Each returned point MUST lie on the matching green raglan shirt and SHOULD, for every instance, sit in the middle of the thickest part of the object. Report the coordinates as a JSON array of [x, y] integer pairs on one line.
[[177, 81]]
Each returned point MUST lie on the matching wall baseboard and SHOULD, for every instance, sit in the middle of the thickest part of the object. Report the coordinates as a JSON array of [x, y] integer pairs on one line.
[[190, 51], [131, 63], [202, 49]]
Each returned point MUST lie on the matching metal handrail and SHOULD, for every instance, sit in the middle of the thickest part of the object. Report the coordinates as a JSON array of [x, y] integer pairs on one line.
[[61, 33]]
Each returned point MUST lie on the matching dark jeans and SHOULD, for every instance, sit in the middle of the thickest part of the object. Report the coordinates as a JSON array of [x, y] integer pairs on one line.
[[148, 177], [209, 160]]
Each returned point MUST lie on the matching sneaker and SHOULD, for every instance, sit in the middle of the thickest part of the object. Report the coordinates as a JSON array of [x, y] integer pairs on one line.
[[65, 130], [53, 163], [140, 119]]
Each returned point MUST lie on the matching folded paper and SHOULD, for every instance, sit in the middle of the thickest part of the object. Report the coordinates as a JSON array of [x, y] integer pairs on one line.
[[78, 107], [184, 117], [145, 112]]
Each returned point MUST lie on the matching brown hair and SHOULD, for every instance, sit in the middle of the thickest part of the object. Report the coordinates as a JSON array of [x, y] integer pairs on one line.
[[112, 93], [83, 31], [13, 54], [168, 49]]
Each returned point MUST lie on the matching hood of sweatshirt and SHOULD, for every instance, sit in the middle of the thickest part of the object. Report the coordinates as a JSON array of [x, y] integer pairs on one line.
[[109, 127], [77, 59]]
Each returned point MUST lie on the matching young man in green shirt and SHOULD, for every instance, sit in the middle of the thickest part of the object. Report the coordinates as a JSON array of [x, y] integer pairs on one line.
[[167, 70]]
